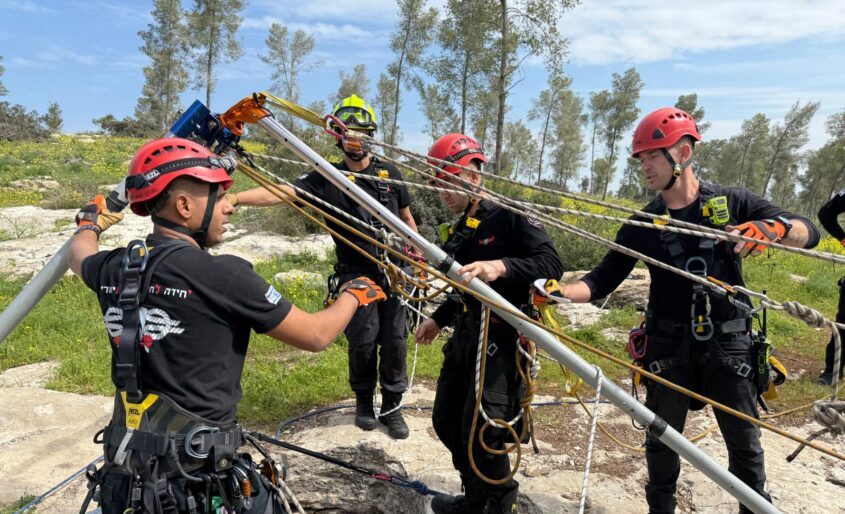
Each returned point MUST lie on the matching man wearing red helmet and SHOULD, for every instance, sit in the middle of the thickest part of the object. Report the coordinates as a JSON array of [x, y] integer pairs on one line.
[[695, 338], [179, 321], [378, 336], [509, 252]]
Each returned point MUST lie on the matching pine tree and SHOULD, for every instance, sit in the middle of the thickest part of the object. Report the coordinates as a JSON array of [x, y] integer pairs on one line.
[[3, 90], [213, 26], [355, 83], [53, 118], [288, 57], [165, 78]]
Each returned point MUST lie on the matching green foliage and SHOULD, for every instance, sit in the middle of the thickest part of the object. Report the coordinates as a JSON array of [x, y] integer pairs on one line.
[[213, 26], [14, 507], [80, 165], [18, 124], [165, 77], [127, 127], [53, 119], [3, 90]]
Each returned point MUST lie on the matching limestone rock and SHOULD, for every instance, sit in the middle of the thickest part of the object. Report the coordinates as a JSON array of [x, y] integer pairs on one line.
[[40, 184], [307, 277]]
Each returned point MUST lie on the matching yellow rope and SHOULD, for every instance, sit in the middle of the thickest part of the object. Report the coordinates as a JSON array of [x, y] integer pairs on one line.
[[276, 191]]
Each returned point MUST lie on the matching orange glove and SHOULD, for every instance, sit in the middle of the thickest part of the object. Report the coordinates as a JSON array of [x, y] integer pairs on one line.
[[770, 231], [96, 216], [364, 290]]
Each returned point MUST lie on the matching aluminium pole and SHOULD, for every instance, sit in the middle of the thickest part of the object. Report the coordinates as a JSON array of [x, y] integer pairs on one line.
[[193, 120], [659, 428]]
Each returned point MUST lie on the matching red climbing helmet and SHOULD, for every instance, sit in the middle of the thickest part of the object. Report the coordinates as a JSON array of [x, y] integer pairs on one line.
[[161, 161], [457, 148], [662, 129]]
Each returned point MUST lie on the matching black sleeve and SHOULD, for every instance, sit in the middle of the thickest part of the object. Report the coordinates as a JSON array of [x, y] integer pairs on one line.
[[829, 215], [614, 267], [541, 260], [256, 301], [447, 312], [92, 267], [754, 207], [313, 183]]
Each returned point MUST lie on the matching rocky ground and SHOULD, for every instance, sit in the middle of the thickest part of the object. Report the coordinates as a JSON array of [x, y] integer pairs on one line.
[[45, 435]]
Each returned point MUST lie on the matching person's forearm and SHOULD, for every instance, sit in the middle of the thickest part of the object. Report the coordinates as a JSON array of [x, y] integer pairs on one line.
[[577, 292], [406, 216], [82, 245], [260, 197], [798, 236], [329, 323]]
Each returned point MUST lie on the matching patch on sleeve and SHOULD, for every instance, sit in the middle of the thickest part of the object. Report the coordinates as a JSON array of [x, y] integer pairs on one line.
[[273, 296], [534, 222]]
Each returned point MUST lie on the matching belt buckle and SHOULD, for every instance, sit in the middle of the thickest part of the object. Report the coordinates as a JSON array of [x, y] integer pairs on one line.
[[189, 441], [744, 370], [656, 367]]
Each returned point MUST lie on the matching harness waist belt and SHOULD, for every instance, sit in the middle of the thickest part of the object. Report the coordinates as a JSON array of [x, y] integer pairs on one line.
[[682, 329]]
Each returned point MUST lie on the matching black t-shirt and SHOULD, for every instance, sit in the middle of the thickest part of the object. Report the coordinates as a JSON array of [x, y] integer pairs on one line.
[[197, 319], [829, 215], [670, 294], [521, 243], [395, 197]]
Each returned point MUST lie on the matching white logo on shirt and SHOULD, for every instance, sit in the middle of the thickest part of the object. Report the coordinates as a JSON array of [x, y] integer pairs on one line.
[[156, 324], [273, 296]]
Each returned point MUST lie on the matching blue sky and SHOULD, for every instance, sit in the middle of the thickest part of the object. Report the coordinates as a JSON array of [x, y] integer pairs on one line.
[[741, 57]]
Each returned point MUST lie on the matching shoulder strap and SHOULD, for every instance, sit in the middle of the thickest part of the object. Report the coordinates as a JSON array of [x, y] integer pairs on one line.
[[134, 282], [464, 229]]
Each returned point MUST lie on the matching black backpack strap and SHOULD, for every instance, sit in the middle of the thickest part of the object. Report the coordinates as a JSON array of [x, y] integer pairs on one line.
[[135, 275]]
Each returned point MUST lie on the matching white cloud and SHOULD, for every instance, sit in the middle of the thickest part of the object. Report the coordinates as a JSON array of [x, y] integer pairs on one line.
[[58, 54], [355, 35], [365, 12], [21, 62], [26, 6], [644, 31]]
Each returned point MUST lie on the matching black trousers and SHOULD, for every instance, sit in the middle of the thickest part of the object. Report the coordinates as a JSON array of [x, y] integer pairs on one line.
[[454, 405], [703, 374], [840, 318], [378, 342]]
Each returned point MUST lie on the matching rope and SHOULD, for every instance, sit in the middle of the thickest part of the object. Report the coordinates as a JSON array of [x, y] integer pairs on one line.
[[415, 485], [276, 191], [595, 417], [57, 487], [702, 230], [666, 224], [480, 372]]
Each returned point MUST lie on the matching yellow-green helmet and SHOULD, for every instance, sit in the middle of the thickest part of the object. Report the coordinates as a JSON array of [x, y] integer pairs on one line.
[[355, 113]]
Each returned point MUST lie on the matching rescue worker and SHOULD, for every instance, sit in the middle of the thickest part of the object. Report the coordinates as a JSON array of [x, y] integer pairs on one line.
[[696, 339], [179, 322], [509, 252], [828, 217], [378, 336]]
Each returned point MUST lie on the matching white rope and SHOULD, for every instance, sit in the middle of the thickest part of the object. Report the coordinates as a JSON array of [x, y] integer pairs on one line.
[[591, 442], [482, 335], [427, 161]]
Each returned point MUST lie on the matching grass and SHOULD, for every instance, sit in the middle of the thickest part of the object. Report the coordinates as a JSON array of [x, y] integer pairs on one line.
[[13, 507]]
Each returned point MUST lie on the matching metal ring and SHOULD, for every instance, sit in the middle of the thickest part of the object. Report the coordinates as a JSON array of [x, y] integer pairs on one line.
[[189, 440]]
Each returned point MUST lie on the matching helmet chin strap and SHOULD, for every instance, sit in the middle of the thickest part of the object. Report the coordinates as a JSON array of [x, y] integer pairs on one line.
[[199, 235], [677, 169]]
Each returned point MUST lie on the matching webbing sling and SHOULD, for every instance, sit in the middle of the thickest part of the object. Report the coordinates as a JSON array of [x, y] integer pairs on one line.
[[136, 273]]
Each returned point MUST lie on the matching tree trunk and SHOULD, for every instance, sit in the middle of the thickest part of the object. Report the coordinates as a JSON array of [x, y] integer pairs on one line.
[[771, 168], [464, 87], [612, 146], [503, 63], [398, 88], [741, 180], [592, 184], [209, 64], [543, 139]]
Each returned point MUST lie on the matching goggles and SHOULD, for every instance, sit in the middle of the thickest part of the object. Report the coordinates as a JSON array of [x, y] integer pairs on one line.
[[355, 117]]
